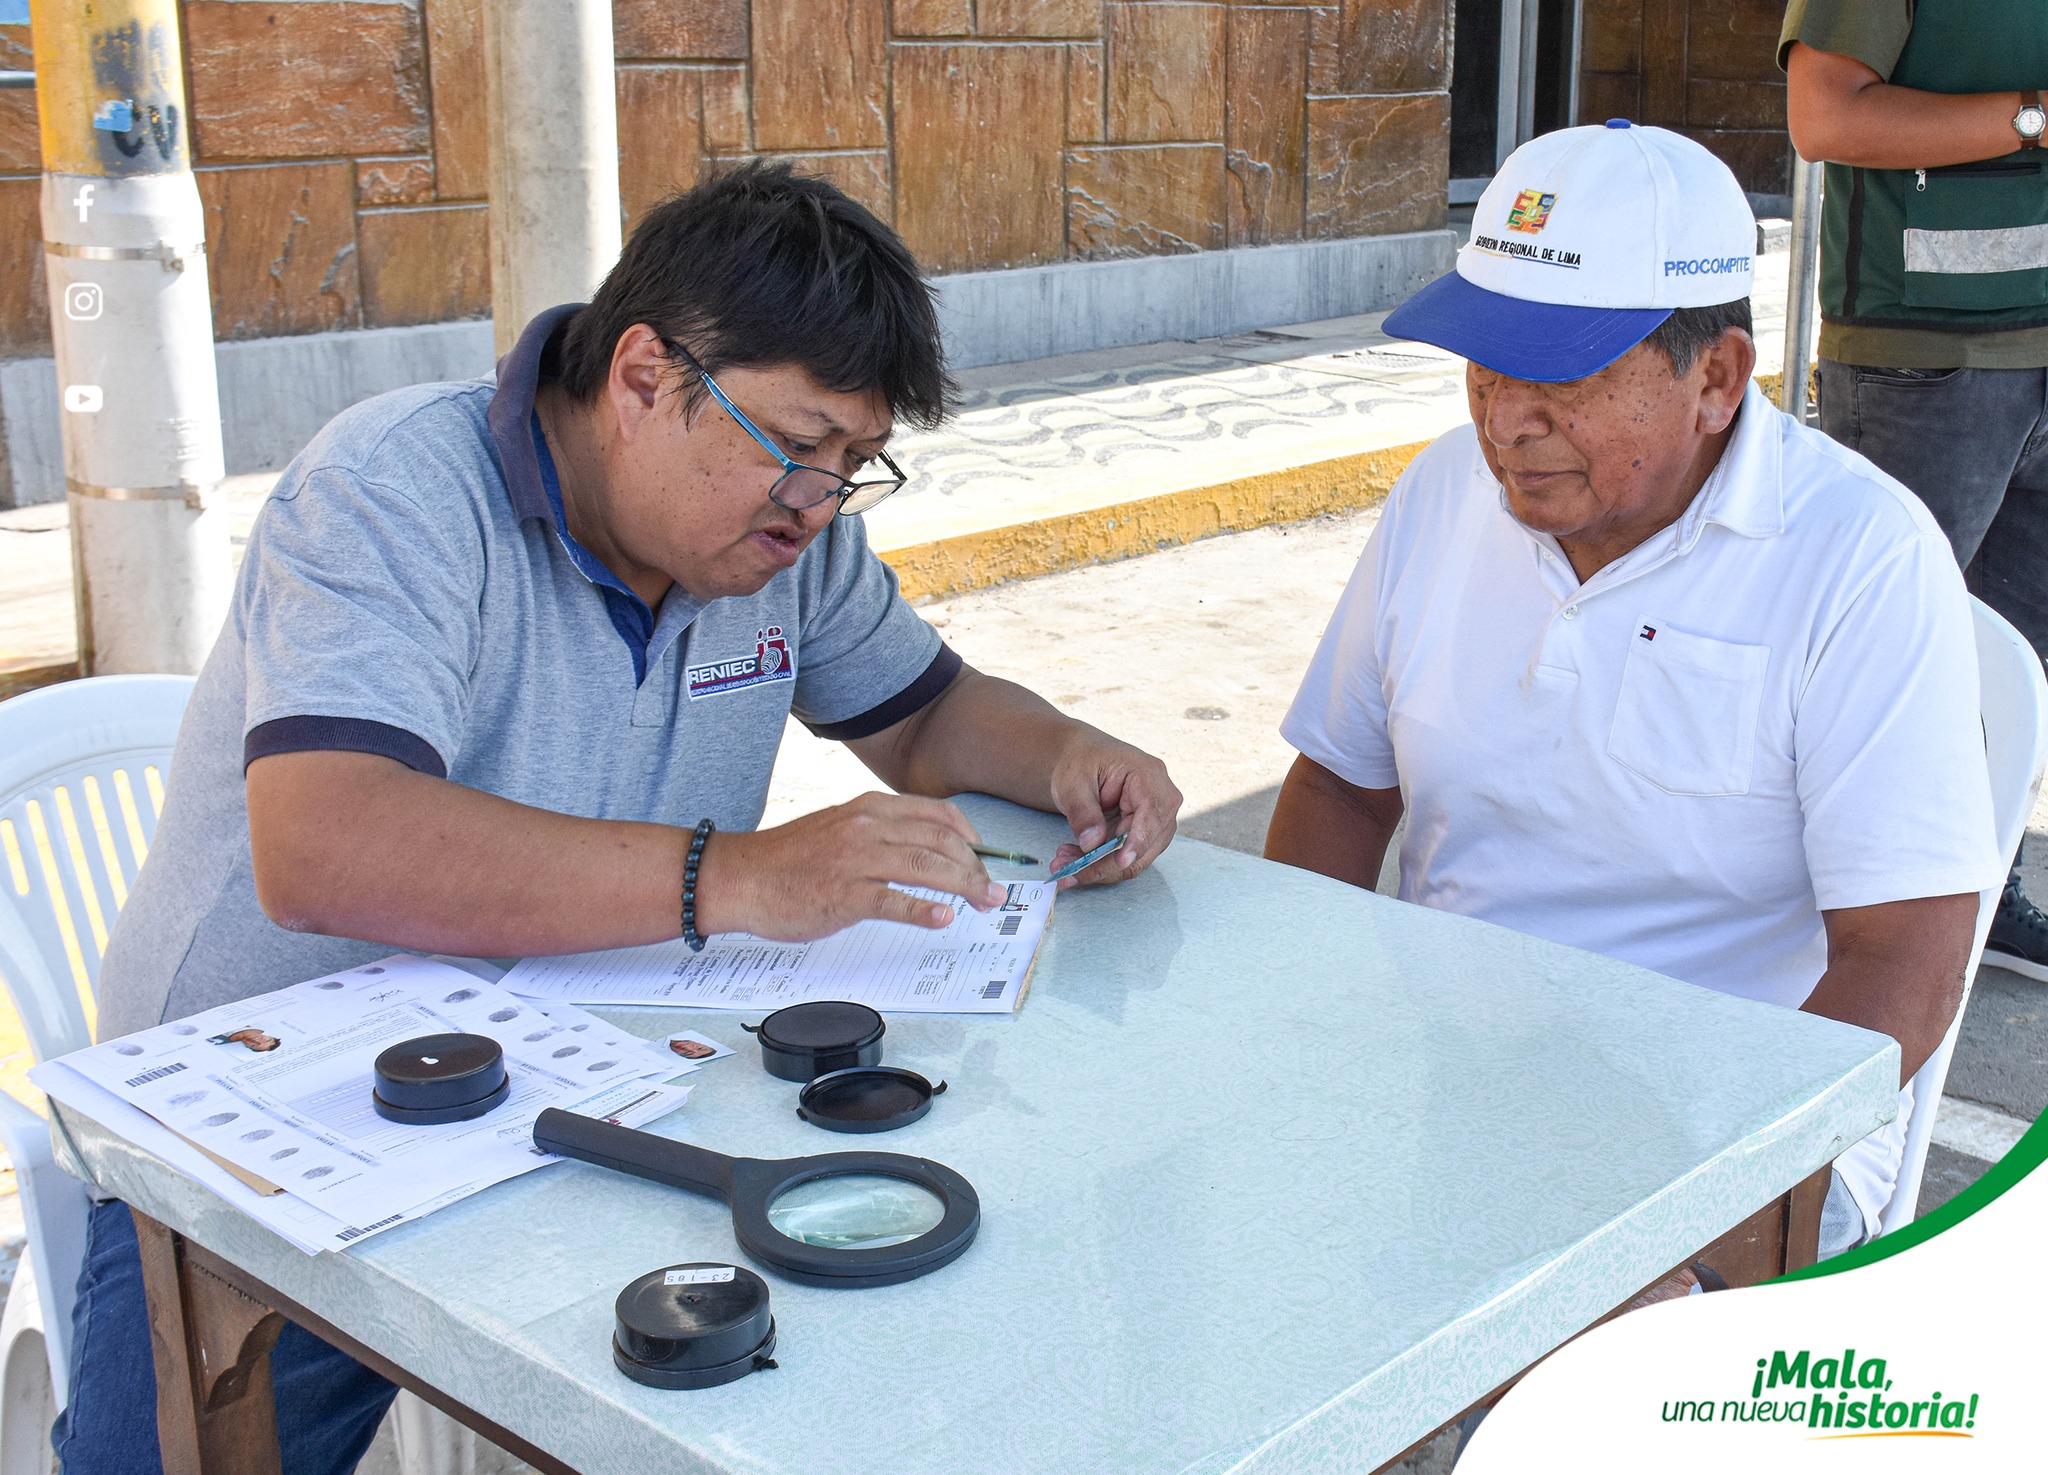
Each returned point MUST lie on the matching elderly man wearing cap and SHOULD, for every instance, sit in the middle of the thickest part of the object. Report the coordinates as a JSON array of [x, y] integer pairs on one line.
[[1651, 669]]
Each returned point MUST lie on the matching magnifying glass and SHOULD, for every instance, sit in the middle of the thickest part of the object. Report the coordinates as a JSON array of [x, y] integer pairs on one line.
[[836, 1219]]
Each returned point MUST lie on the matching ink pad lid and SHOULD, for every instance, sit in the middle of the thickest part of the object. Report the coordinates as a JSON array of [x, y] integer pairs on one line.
[[693, 1326], [877, 1098], [440, 1078], [805, 1041]]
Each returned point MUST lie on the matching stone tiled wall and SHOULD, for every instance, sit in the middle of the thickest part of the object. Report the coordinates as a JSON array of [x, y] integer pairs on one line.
[[341, 150], [1707, 68]]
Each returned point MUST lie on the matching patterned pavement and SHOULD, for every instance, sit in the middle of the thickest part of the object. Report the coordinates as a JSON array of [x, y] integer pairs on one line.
[[1121, 425]]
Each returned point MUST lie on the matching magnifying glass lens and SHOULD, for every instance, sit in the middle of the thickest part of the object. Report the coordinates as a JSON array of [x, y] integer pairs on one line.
[[865, 1211]]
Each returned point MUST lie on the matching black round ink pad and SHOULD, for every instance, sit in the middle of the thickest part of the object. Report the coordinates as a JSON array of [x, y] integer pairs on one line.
[[440, 1078], [693, 1326], [805, 1041], [875, 1098]]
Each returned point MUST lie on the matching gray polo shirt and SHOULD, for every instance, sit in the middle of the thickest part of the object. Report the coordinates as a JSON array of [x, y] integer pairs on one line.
[[411, 589]]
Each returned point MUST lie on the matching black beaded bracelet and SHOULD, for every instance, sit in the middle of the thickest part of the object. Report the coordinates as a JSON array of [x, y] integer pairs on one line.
[[691, 935]]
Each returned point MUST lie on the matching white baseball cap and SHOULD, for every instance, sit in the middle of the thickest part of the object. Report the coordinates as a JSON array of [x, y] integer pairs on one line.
[[1584, 243]]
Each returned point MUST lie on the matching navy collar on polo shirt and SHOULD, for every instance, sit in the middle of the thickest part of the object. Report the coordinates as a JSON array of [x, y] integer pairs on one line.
[[519, 376], [535, 491]]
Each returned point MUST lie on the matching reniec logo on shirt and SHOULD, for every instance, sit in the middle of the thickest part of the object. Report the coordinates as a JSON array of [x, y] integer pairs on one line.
[[769, 662]]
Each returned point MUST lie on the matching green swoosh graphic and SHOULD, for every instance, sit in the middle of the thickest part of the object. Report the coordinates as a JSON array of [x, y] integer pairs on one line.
[[2026, 1155]]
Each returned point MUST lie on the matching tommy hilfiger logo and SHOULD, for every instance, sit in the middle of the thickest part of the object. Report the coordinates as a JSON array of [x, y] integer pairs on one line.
[[769, 662], [1531, 211], [1648, 632]]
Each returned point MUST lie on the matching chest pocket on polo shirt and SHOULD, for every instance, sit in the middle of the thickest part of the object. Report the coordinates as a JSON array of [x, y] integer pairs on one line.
[[1686, 718]]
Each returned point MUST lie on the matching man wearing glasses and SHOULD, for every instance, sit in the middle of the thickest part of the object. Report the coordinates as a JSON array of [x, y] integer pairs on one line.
[[506, 656]]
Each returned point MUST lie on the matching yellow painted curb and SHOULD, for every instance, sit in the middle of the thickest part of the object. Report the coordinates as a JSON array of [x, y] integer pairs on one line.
[[1772, 383], [964, 561]]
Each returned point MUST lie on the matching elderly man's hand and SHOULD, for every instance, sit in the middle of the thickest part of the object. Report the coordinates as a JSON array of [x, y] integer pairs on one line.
[[1106, 788], [986, 735]]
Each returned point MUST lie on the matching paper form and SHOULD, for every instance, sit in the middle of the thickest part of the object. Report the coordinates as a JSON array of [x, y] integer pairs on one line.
[[279, 1085], [980, 963], [632, 1104]]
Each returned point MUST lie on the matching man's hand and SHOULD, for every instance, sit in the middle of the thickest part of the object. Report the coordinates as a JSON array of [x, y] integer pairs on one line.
[[1105, 788], [990, 736], [813, 876]]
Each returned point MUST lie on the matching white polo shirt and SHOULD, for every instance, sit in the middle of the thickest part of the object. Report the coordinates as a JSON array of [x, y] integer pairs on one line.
[[1766, 711]]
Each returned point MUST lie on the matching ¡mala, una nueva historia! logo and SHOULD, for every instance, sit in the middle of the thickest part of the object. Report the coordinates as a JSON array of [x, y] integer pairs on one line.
[[1833, 1397]]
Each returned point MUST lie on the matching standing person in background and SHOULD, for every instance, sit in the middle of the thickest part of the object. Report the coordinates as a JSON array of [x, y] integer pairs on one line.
[[1934, 286]]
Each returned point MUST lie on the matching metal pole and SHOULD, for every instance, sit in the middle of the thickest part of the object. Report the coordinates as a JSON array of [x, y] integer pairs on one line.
[[554, 155], [1575, 60], [1507, 113], [1525, 81], [132, 319], [1799, 290]]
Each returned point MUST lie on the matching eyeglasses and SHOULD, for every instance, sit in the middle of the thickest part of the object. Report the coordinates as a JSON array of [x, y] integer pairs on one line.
[[802, 487]]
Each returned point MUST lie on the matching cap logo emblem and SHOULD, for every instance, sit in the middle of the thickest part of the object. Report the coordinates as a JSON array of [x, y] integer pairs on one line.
[[1531, 211]]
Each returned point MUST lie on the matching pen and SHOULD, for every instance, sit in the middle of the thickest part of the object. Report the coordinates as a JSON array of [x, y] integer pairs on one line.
[[1015, 858]]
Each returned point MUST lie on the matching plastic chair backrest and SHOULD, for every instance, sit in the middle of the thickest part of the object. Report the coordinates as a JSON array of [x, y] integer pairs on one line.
[[2013, 699], [82, 772]]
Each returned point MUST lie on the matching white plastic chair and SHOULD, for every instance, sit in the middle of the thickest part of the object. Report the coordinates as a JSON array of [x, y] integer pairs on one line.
[[82, 768], [2013, 697]]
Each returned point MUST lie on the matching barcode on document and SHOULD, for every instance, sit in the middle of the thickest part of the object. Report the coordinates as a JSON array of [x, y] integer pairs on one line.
[[158, 1074], [994, 990], [353, 1233], [1009, 926]]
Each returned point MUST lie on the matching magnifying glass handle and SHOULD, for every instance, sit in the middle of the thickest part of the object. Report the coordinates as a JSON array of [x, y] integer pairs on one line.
[[642, 1154]]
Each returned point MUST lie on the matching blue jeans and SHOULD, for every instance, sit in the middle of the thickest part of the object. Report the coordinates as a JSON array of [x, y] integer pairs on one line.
[[1973, 445], [328, 1404]]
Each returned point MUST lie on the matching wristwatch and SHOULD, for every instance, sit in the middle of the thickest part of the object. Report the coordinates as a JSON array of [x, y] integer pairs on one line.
[[2030, 120]]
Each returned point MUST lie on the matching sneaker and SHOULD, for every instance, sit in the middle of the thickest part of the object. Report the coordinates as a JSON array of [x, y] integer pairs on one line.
[[2019, 935]]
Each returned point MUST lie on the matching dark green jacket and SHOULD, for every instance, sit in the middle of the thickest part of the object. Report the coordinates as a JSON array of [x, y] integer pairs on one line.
[[1963, 248]]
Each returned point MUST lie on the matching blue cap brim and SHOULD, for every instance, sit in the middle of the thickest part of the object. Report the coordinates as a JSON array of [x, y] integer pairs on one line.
[[1543, 342]]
